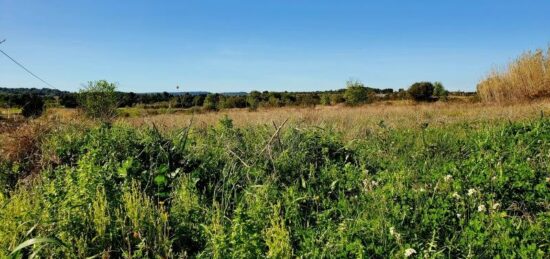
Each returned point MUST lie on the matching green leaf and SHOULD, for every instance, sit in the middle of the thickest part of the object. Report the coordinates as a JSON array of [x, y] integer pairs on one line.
[[160, 180], [37, 240]]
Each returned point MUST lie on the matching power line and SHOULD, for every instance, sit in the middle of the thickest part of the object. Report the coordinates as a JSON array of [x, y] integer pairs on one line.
[[23, 67]]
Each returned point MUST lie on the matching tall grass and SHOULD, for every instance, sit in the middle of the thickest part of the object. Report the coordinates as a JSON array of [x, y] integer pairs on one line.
[[396, 186], [526, 78]]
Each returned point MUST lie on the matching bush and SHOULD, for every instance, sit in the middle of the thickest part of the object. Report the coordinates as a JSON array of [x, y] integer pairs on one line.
[[33, 106], [356, 93], [210, 102], [98, 100], [68, 100], [439, 91], [253, 100], [421, 91]]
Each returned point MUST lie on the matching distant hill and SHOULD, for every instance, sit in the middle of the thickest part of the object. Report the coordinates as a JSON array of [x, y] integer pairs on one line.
[[54, 92], [38, 91], [205, 93]]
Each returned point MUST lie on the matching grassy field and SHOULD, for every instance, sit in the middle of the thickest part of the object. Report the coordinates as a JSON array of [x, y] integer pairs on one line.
[[385, 180]]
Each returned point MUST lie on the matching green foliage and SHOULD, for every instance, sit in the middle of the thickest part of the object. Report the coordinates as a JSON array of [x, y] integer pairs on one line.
[[225, 192], [33, 106], [325, 99], [210, 102], [356, 93], [421, 91], [98, 100], [253, 100], [439, 90]]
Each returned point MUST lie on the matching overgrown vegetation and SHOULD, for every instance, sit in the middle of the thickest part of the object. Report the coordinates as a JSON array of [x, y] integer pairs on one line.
[[282, 191], [98, 100], [526, 78], [356, 93], [34, 106]]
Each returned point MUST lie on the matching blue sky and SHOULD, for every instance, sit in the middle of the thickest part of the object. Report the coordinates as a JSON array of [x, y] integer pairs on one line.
[[276, 45]]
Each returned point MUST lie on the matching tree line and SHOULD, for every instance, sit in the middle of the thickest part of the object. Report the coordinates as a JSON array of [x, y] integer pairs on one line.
[[355, 93]]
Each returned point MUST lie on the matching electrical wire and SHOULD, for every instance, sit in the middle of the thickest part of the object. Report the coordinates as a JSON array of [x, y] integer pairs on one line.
[[23, 67]]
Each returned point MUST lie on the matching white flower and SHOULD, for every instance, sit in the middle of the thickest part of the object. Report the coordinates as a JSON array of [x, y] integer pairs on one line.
[[409, 252], [394, 233], [496, 206], [481, 208], [471, 192], [374, 183], [458, 215], [455, 195], [448, 178]]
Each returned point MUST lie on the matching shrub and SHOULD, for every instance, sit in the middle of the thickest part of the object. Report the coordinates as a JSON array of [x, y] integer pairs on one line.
[[325, 99], [356, 93], [439, 91], [421, 91], [526, 78], [253, 100], [210, 102], [98, 100], [33, 106], [68, 100]]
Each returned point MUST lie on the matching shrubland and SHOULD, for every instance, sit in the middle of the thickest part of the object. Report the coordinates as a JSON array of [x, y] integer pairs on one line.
[[400, 187]]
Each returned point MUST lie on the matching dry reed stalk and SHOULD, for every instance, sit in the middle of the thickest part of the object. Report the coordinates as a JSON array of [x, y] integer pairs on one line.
[[526, 78]]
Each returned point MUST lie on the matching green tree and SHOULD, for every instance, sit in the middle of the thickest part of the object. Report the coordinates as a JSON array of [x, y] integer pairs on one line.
[[439, 90], [33, 107], [98, 100], [210, 102], [356, 93], [253, 100], [421, 91]]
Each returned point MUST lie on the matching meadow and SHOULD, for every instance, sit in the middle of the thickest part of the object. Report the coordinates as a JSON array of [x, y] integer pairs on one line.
[[399, 179]]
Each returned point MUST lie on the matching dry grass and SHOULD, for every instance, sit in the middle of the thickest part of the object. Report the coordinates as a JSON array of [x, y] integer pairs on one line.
[[20, 138], [526, 78], [356, 120]]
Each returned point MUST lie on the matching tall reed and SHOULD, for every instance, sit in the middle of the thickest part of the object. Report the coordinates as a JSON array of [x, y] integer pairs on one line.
[[526, 78]]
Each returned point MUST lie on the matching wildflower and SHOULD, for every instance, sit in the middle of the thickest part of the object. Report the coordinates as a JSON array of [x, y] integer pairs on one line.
[[455, 195], [471, 192], [394, 233], [374, 183], [481, 208], [409, 252], [448, 178], [458, 215]]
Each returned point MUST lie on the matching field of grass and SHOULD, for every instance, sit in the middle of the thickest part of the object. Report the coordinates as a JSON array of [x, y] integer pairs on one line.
[[385, 180]]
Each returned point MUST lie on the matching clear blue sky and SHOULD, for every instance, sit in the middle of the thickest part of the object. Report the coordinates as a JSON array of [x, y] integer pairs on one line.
[[278, 45]]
